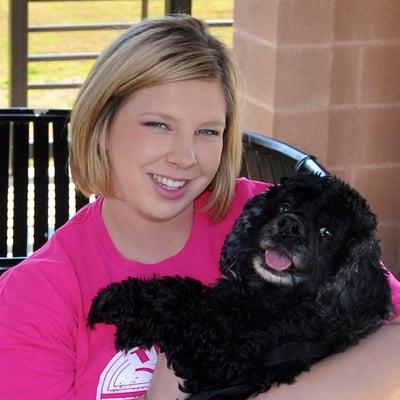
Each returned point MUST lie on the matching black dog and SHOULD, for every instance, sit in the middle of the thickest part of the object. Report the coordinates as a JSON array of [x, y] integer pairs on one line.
[[301, 280]]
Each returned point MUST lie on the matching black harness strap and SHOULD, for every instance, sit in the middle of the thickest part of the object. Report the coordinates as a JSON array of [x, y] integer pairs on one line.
[[210, 394], [286, 353], [297, 351]]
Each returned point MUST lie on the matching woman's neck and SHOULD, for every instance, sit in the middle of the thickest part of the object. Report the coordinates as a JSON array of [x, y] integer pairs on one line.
[[141, 239]]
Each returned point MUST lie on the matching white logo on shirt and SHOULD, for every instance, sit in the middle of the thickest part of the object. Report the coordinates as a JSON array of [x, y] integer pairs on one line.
[[128, 375]]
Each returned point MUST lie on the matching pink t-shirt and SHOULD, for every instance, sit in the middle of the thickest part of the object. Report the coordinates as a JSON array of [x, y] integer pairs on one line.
[[46, 350]]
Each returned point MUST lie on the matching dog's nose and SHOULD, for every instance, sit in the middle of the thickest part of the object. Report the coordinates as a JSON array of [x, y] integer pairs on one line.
[[290, 226]]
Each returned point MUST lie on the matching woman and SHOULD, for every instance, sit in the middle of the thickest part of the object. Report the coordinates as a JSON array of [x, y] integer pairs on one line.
[[155, 135]]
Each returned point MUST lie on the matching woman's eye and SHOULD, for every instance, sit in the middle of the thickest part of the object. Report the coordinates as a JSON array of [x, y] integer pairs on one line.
[[284, 208], [208, 132], [326, 233], [156, 124]]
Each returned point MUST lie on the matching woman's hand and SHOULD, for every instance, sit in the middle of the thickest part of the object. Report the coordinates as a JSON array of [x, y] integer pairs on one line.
[[164, 385]]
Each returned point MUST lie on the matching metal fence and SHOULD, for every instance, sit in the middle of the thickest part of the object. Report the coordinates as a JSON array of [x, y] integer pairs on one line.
[[20, 29]]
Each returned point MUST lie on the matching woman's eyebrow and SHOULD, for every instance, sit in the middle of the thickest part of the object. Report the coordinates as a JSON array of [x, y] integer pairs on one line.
[[157, 114], [216, 122]]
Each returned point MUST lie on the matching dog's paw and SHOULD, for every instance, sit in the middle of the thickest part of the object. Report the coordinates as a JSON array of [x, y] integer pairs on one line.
[[109, 306], [131, 335]]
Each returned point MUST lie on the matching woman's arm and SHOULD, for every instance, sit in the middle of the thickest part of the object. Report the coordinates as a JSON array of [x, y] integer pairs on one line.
[[36, 344], [368, 371]]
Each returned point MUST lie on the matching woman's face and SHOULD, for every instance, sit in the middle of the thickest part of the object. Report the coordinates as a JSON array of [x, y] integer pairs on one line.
[[165, 144]]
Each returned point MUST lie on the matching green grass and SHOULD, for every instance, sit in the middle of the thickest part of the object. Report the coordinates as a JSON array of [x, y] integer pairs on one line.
[[60, 42]]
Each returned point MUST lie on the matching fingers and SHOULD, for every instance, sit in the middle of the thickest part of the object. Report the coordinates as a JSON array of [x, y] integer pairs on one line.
[[164, 385]]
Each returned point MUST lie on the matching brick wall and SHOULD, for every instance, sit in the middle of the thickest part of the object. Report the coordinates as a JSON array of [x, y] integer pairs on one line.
[[325, 77]]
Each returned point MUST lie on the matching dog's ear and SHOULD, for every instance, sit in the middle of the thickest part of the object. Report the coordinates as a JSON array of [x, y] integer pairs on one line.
[[357, 299], [242, 237]]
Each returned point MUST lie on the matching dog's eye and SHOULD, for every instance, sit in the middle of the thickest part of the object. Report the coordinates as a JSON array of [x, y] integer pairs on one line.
[[326, 233], [284, 208]]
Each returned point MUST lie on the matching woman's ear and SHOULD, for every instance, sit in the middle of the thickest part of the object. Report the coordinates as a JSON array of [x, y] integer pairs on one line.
[[357, 300]]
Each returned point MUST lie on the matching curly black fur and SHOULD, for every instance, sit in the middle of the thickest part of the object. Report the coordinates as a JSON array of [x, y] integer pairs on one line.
[[258, 326]]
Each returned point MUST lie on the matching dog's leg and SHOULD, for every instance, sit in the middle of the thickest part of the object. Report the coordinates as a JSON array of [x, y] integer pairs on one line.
[[143, 310]]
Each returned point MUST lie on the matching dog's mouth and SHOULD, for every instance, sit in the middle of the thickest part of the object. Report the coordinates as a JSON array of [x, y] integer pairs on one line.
[[278, 260], [277, 266]]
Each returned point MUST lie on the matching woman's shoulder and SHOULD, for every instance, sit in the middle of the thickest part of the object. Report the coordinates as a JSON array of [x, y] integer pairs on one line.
[[44, 286], [48, 267], [247, 188], [52, 263], [89, 212]]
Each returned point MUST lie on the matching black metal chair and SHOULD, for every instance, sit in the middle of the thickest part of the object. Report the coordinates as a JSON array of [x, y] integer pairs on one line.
[[32, 140], [266, 159]]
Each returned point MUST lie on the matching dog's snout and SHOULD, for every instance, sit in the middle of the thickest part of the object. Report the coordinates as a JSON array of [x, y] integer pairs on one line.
[[290, 225]]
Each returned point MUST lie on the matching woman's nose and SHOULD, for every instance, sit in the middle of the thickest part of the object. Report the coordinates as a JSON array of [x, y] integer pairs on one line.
[[181, 153]]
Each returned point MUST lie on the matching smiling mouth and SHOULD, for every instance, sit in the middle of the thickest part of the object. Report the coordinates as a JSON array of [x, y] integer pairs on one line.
[[168, 183]]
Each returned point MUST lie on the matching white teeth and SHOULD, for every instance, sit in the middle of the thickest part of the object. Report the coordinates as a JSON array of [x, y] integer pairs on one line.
[[169, 184]]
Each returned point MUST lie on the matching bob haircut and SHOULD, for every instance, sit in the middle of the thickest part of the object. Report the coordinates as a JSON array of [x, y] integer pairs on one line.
[[153, 52]]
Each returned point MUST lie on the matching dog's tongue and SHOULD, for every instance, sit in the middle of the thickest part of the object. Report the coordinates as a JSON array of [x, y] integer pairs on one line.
[[277, 260]]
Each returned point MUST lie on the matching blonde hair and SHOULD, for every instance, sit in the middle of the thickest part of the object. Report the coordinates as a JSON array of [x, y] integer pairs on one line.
[[151, 53]]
